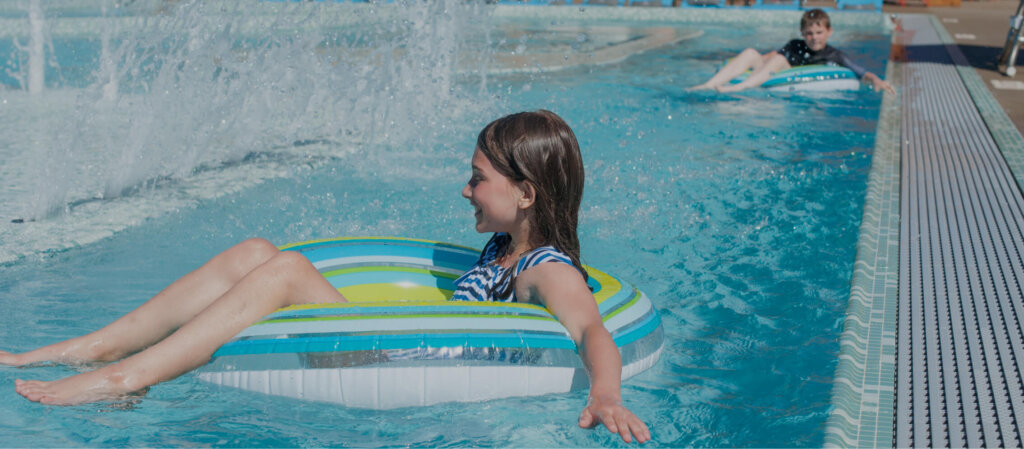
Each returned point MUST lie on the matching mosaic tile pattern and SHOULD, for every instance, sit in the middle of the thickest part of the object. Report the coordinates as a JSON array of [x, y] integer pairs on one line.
[[862, 396]]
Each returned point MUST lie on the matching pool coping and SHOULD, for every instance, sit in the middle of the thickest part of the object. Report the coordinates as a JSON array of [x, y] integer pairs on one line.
[[685, 15], [864, 384], [862, 411]]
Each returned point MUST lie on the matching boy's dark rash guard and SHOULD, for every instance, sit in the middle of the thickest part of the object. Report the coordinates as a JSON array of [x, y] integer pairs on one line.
[[798, 53]]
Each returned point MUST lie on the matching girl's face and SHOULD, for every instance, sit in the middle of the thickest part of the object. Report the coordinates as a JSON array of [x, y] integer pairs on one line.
[[816, 36], [494, 197]]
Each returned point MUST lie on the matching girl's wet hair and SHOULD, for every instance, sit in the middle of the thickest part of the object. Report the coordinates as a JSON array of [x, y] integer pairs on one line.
[[539, 149], [815, 16]]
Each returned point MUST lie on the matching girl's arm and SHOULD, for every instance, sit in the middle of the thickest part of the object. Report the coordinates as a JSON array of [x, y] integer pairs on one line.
[[561, 289]]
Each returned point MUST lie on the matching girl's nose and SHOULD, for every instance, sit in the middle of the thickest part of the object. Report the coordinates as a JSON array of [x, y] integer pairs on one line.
[[465, 191]]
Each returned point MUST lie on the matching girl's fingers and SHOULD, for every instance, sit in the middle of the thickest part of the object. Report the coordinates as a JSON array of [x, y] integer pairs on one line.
[[624, 432], [643, 434], [586, 419], [624, 423], [631, 426], [613, 427], [618, 421]]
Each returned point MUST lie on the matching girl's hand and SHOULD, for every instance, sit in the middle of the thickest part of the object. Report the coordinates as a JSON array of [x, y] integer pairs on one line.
[[616, 417]]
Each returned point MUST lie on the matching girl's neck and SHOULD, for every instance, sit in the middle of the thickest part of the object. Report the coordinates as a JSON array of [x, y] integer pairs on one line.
[[518, 245]]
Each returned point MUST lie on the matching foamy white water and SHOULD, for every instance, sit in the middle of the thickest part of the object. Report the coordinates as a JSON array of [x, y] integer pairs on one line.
[[179, 98], [173, 104]]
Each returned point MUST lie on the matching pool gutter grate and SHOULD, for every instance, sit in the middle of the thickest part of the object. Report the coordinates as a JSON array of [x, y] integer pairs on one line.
[[958, 347]]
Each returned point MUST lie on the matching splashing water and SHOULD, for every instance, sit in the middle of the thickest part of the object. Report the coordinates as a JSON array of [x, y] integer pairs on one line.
[[204, 85], [151, 107]]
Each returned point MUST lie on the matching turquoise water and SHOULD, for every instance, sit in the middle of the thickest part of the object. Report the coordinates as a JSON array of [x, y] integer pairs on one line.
[[737, 215]]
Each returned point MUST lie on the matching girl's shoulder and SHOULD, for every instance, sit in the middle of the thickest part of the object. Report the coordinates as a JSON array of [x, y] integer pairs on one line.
[[542, 255], [548, 271]]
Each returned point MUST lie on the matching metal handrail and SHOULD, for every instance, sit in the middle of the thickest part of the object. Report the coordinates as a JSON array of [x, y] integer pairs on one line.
[[1013, 40]]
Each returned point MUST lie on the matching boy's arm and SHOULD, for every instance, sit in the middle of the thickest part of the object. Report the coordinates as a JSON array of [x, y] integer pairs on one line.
[[865, 76]]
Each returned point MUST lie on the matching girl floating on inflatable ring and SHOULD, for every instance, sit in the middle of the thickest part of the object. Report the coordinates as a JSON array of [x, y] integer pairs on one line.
[[526, 187]]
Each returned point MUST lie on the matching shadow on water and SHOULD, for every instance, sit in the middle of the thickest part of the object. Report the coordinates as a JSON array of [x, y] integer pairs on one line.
[[978, 56]]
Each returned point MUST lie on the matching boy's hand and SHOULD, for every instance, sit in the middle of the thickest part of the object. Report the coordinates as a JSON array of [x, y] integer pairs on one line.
[[879, 84], [884, 85], [616, 417]]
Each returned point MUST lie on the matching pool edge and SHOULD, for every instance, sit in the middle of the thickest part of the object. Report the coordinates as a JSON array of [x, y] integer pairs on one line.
[[863, 407], [862, 395]]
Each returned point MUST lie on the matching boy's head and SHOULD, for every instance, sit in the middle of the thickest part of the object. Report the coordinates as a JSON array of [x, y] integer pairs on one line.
[[816, 28], [815, 16]]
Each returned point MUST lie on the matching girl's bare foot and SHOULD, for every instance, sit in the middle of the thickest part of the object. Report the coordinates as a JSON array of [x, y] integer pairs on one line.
[[27, 358], [74, 351], [729, 88], [704, 86], [9, 359], [93, 386]]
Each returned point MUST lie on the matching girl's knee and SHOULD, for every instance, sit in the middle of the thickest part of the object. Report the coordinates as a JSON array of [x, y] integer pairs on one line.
[[244, 257], [750, 52], [294, 272], [257, 245], [291, 264], [255, 251]]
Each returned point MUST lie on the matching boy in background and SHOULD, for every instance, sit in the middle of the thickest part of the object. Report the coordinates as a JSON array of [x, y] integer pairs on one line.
[[816, 28]]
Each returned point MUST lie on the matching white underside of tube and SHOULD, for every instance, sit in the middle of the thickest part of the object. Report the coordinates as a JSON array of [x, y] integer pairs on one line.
[[822, 85], [394, 387]]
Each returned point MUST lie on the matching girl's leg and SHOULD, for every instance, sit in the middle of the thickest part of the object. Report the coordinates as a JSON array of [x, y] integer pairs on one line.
[[159, 316], [774, 62], [287, 278], [746, 60]]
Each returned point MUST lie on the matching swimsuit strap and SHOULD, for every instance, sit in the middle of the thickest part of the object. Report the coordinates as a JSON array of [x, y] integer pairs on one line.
[[478, 282], [539, 256]]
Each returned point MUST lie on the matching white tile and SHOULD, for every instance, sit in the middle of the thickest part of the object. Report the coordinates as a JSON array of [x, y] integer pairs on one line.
[[1008, 84], [965, 36]]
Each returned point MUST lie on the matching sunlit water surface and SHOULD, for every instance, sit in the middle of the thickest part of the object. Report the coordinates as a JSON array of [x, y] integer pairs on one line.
[[737, 214]]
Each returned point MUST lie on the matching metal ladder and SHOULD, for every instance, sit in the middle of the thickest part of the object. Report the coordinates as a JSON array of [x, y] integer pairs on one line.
[[1013, 40]]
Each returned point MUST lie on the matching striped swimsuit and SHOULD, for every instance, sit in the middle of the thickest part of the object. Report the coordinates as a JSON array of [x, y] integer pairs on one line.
[[486, 278]]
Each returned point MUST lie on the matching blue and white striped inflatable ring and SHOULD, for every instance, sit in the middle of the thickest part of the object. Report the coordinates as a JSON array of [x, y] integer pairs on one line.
[[809, 77], [400, 342]]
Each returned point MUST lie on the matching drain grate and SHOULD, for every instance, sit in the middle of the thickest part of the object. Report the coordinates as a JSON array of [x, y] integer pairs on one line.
[[959, 342], [932, 351]]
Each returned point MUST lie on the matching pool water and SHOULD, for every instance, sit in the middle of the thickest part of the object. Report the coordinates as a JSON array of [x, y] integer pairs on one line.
[[737, 214]]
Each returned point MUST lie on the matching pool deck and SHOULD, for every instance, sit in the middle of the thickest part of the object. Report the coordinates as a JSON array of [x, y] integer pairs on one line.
[[932, 348], [978, 29]]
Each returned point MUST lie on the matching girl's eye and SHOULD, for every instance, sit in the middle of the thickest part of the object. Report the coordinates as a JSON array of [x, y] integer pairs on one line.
[[474, 180]]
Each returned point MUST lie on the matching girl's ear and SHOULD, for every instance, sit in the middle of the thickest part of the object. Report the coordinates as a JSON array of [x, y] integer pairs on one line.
[[528, 195]]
